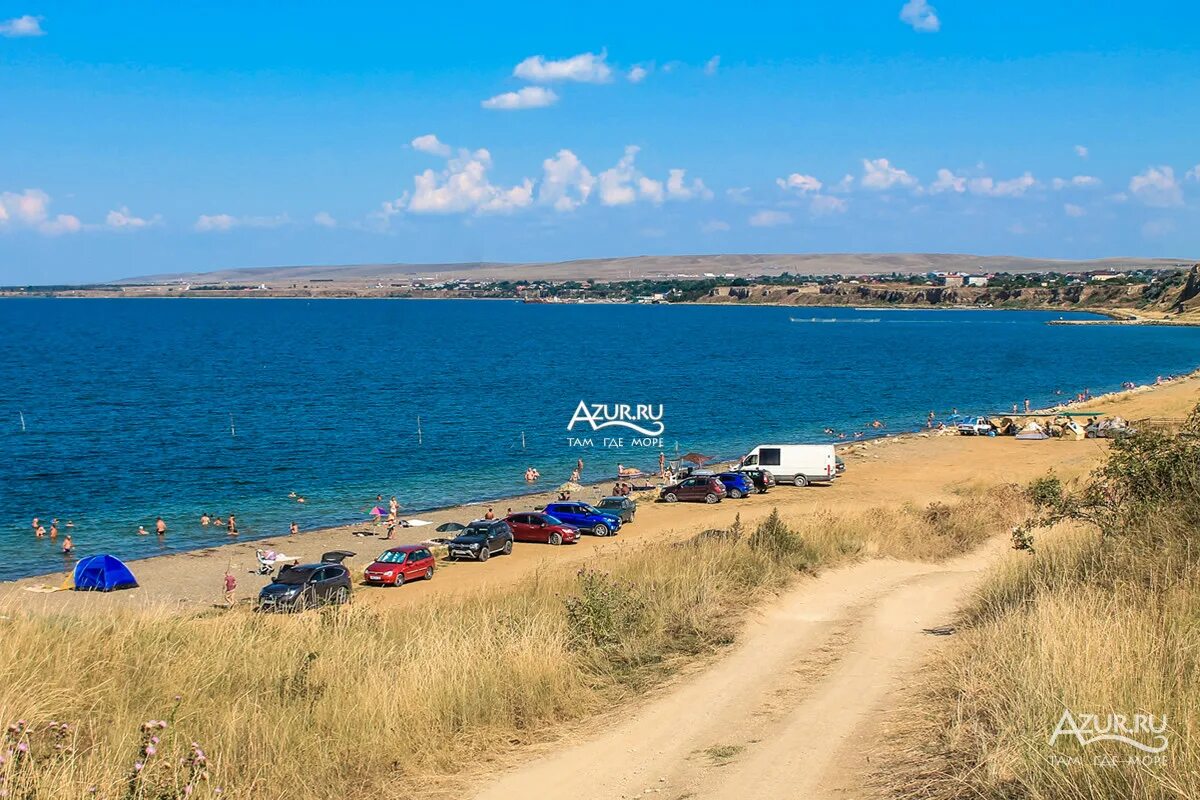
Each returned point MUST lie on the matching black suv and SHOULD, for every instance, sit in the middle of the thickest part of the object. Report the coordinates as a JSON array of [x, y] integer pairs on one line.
[[305, 586], [761, 478], [482, 539]]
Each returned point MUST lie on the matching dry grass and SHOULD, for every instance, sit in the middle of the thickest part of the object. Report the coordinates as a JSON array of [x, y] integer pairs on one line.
[[355, 702]]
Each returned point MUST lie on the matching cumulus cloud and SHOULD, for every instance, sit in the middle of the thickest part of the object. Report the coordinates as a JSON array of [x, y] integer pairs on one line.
[[1077, 182], [637, 74], [799, 183], [990, 187], [921, 16], [527, 97], [947, 181], [1157, 187], [678, 187], [324, 219], [827, 204], [566, 182], [122, 219], [879, 174], [738, 194], [464, 186], [1193, 173], [769, 218], [623, 184], [712, 65], [23, 26], [584, 68], [30, 209], [219, 223], [430, 144], [1073, 210], [1081, 151]]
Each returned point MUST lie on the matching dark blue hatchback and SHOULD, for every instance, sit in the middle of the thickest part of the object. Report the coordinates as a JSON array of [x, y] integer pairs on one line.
[[736, 484]]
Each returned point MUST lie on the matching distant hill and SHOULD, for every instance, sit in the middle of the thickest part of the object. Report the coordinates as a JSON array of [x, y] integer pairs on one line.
[[612, 269]]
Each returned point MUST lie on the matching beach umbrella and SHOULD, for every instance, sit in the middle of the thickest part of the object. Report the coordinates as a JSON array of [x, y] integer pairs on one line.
[[570, 486], [378, 511], [695, 458]]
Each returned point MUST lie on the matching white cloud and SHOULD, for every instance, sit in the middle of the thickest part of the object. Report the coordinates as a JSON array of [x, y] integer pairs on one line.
[[1193, 173], [799, 182], [1073, 210], [31, 209], [990, 187], [464, 186], [616, 184], [880, 174], [715, 226], [738, 194], [921, 16], [844, 185], [769, 218], [324, 219], [650, 189], [679, 189], [122, 219], [19, 27], [430, 144], [637, 74], [566, 182], [1157, 187], [947, 181], [584, 68], [208, 223], [527, 97], [1077, 182], [711, 66], [1081, 151], [826, 204]]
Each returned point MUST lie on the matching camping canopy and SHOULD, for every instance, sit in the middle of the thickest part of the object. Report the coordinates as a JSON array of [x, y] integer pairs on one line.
[[103, 573]]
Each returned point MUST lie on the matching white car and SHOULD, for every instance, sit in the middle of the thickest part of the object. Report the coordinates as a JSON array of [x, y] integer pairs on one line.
[[975, 426]]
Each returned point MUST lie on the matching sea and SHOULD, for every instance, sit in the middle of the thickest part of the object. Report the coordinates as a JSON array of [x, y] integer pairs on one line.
[[115, 412]]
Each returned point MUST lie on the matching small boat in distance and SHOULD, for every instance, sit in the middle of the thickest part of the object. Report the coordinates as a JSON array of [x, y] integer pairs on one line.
[[833, 319]]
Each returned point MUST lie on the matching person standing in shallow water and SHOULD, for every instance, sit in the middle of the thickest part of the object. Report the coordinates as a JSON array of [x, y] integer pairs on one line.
[[233, 531], [68, 546], [160, 527]]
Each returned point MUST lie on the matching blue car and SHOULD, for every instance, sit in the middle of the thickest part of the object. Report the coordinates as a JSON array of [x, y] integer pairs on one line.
[[736, 484], [585, 517]]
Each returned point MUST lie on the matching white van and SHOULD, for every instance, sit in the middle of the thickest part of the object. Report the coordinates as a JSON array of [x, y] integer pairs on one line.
[[800, 464]]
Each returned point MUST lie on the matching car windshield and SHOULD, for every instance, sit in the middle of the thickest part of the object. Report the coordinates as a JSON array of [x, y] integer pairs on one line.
[[392, 557], [589, 509], [611, 502], [294, 577]]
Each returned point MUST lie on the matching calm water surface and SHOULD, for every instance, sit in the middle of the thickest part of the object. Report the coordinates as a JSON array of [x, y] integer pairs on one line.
[[128, 404]]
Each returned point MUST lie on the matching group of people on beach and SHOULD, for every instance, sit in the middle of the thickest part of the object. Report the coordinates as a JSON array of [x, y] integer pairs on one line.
[[39, 531]]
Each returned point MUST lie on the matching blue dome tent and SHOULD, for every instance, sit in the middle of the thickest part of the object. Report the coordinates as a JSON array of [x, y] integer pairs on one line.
[[103, 573]]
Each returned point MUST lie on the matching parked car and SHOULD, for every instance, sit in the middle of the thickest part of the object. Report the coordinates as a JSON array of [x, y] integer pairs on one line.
[[296, 588], [482, 539], [800, 464], [975, 426], [761, 478], [585, 517], [839, 465], [623, 507], [705, 488], [535, 526], [736, 484], [393, 567]]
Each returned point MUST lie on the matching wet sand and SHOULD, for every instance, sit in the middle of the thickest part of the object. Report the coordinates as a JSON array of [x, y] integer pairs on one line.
[[911, 468]]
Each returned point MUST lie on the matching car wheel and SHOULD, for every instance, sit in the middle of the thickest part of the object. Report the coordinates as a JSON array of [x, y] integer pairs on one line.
[[399, 579], [484, 553], [342, 595], [735, 494], [508, 548], [600, 530], [556, 538], [800, 480], [670, 497], [711, 498], [429, 573]]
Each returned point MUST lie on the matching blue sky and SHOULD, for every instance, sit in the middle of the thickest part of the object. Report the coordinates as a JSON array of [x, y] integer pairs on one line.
[[140, 138]]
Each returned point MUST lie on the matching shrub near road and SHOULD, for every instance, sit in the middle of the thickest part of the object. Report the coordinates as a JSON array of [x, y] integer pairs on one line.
[[1100, 616], [353, 702]]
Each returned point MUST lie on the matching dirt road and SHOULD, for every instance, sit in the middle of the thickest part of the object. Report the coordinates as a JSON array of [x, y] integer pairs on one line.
[[787, 712]]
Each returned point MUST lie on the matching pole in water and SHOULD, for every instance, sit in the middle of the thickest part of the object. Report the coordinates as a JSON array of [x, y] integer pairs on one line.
[[22, 413], [419, 436], [522, 440], [232, 430]]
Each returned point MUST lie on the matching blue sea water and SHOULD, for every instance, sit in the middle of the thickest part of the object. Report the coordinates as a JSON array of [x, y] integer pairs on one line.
[[139, 408]]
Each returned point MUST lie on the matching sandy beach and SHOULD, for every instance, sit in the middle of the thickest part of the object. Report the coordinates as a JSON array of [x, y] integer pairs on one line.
[[916, 468]]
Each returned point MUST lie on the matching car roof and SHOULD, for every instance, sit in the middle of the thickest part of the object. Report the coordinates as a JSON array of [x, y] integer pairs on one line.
[[406, 548], [614, 497]]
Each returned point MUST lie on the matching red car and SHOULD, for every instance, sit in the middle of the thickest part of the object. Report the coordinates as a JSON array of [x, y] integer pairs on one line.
[[408, 562], [704, 488], [534, 526]]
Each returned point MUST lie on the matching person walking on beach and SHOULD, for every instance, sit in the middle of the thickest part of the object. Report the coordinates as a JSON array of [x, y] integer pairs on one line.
[[393, 507], [662, 464], [160, 527], [391, 524], [230, 586], [1026, 405], [294, 529], [232, 527]]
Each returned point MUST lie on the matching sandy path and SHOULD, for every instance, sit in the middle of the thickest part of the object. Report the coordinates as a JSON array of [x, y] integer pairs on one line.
[[776, 716]]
